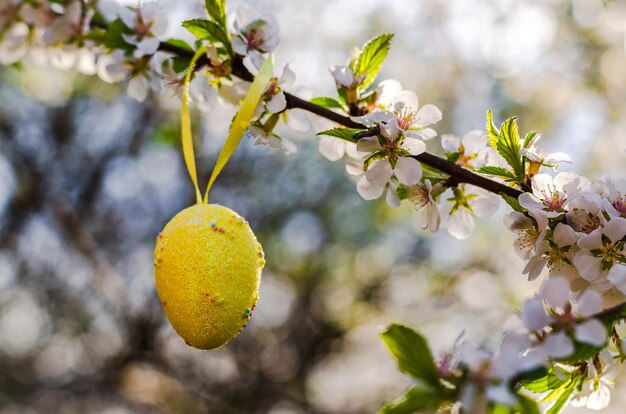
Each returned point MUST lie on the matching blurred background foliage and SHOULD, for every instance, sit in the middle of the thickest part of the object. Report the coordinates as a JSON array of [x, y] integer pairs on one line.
[[88, 178]]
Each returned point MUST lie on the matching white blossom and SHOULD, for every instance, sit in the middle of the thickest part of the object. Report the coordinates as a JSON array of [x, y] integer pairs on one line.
[[421, 196], [261, 136], [554, 314], [596, 389], [253, 35], [601, 256], [473, 148], [392, 153], [459, 210], [541, 157], [274, 96], [148, 23]]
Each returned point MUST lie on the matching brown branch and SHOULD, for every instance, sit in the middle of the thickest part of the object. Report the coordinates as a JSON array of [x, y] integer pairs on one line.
[[460, 174]]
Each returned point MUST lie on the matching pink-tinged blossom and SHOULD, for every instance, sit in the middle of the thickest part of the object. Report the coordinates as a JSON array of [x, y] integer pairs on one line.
[[551, 195], [406, 114]]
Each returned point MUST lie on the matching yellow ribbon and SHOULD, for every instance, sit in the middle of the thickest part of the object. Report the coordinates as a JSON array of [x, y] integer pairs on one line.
[[237, 129], [185, 126]]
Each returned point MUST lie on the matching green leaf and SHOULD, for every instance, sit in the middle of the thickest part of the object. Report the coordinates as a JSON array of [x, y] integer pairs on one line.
[[412, 353], [524, 406], [546, 383], [415, 399], [113, 38], [343, 133], [582, 352], [528, 406], [561, 396], [509, 145], [180, 43], [180, 63], [513, 202], [327, 102], [530, 137], [371, 58], [500, 409], [499, 171], [207, 30], [492, 131], [96, 35], [217, 11]]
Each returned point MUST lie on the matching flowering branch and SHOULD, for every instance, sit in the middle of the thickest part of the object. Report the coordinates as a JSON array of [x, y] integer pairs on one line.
[[459, 174]]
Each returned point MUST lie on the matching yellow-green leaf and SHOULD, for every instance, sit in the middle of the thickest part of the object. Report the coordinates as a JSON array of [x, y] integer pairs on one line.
[[242, 119]]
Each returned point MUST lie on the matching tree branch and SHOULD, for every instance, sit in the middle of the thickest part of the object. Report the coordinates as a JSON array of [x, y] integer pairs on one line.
[[460, 174]]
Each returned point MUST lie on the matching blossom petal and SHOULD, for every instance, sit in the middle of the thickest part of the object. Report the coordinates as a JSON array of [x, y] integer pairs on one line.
[[474, 141], [424, 133], [391, 197], [368, 145], [591, 332], [450, 143], [405, 98], [427, 115], [413, 146], [534, 267], [368, 190], [530, 201], [558, 345], [287, 78], [332, 148], [534, 314], [485, 204], [408, 170], [588, 266], [431, 218], [615, 229], [460, 224], [239, 46], [617, 276], [555, 291], [298, 122], [148, 46], [379, 173], [138, 87], [588, 303], [277, 104]]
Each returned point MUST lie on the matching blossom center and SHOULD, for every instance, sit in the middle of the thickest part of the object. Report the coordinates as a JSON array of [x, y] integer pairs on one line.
[[406, 117], [553, 200], [420, 195], [620, 203], [255, 36]]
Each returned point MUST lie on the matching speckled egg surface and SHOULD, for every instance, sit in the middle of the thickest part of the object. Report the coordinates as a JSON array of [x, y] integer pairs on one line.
[[207, 268]]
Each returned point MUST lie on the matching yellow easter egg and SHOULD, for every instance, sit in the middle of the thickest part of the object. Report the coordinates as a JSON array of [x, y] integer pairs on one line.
[[207, 269]]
